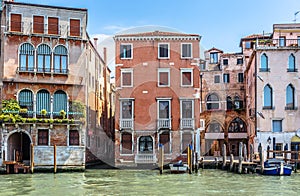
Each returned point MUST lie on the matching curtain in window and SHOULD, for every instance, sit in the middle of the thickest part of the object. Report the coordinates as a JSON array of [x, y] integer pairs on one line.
[[60, 59], [26, 57], [187, 109], [42, 101], [43, 58], [268, 102], [126, 110], [164, 109], [60, 101], [26, 100]]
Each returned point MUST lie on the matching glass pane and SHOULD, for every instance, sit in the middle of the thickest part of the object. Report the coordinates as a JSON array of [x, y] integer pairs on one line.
[[186, 78], [277, 126], [126, 78], [163, 50], [291, 62], [30, 63], [164, 78], [264, 61], [40, 63], [47, 63], [267, 96], [64, 64], [289, 96], [57, 63], [126, 110], [187, 109], [22, 62], [164, 109]]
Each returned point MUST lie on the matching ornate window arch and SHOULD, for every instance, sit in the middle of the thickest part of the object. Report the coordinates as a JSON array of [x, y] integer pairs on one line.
[[290, 97], [25, 99], [268, 97], [212, 102], [43, 58], [292, 63], [237, 125], [60, 58], [26, 57], [264, 64]]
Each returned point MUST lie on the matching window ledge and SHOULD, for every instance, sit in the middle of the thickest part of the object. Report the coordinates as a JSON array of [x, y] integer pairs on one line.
[[268, 108], [290, 108]]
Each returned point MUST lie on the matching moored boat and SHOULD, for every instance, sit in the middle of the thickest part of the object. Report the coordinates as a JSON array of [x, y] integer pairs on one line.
[[178, 167], [277, 167]]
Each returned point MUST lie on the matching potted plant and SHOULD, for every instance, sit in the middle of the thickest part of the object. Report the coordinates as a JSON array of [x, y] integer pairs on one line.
[[43, 112], [62, 113]]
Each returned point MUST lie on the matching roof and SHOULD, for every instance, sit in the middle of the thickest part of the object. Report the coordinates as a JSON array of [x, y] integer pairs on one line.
[[213, 48], [46, 6], [154, 33]]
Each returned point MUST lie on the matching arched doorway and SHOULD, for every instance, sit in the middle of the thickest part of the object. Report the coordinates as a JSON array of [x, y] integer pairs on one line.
[[18, 147], [146, 144]]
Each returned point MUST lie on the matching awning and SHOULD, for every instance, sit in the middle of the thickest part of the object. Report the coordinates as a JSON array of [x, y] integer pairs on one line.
[[295, 139]]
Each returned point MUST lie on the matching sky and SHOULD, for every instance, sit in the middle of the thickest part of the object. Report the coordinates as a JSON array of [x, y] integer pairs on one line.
[[220, 23]]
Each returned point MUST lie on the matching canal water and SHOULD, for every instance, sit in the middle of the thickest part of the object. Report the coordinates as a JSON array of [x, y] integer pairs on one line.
[[148, 182]]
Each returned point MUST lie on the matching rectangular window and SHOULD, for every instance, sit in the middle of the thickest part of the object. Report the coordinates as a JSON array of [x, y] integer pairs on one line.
[[164, 109], [43, 137], [53, 25], [248, 45], [126, 78], [186, 50], [226, 78], [126, 142], [225, 61], [279, 147], [217, 79], [214, 58], [277, 125], [187, 139], [164, 139], [38, 24], [186, 77], [126, 51], [163, 77], [16, 22], [298, 41], [127, 109], [240, 77], [75, 27], [239, 61], [73, 138], [281, 41], [187, 109], [163, 51], [202, 66]]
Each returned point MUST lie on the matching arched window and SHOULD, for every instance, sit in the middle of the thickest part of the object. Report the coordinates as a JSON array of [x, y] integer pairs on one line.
[[146, 144], [60, 59], [43, 102], [60, 101], [268, 97], [264, 62], [26, 101], [212, 102], [290, 97], [237, 125], [229, 103], [214, 127], [43, 58], [26, 57], [292, 64], [238, 104]]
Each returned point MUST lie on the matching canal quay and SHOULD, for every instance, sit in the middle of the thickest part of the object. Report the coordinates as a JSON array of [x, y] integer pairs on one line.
[[148, 182]]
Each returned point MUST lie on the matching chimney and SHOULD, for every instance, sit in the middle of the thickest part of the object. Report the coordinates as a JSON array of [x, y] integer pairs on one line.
[[95, 42], [104, 54]]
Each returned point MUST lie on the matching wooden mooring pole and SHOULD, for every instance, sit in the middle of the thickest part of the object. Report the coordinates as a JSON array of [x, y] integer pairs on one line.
[[224, 156], [240, 158], [161, 159], [231, 162], [54, 158], [31, 158], [261, 158]]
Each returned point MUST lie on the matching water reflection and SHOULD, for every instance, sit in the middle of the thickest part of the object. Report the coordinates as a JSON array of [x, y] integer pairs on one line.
[[148, 182]]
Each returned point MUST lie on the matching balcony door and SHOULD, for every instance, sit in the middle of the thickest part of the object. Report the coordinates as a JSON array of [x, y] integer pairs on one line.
[[146, 145]]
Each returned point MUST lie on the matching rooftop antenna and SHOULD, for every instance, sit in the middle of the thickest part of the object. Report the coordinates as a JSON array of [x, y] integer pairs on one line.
[[295, 18]]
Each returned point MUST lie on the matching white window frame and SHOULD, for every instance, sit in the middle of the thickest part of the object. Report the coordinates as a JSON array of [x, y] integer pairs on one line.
[[277, 119], [181, 108], [132, 107], [131, 49], [158, 50], [126, 71], [181, 140], [170, 143], [165, 70], [170, 107], [181, 75], [191, 45]]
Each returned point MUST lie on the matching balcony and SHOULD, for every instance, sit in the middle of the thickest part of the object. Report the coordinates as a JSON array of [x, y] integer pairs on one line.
[[126, 124], [277, 44], [145, 158], [187, 123], [164, 123]]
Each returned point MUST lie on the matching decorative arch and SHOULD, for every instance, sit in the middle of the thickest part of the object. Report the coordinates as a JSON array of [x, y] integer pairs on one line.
[[268, 97], [60, 58], [60, 102], [212, 101], [25, 99], [214, 127], [43, 58], [145, 144], [237, 125], [290, 97], [26, 57]]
